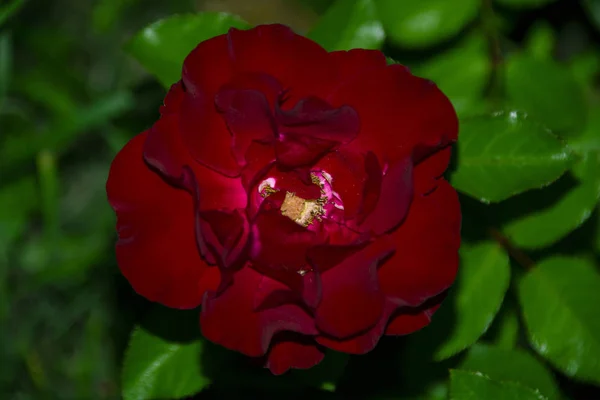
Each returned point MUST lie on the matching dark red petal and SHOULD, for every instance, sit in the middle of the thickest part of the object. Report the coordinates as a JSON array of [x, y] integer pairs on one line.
[[394, 198], [407, 320], [260, 82], [272, 293], [231, 321], [293, 60], [164, 148], [278, 250], [371, 187], [426, 260], [165, 151], [430, 169], [363, 342], [278, 243], [207, 67], [226, 234], [324, 257], [352, 301], [316, 118], [351, 65], [348, 176], [157, 249], [248, 118], [293, 351], [173, 99], [218, 192], [295, 150], [398, 111], [205, 134]]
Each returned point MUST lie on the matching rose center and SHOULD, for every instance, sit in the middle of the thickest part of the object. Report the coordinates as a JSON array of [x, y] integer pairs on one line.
[[301, 211], [305, 211]]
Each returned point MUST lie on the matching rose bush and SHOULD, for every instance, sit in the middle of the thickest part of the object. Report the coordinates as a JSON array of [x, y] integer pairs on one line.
[[295, 194]]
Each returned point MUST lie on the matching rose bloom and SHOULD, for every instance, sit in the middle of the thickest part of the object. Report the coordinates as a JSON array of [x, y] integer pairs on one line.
[[295, 194]]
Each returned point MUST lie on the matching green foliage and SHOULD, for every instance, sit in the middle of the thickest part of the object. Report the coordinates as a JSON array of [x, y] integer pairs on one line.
[[416, 23], [79, 79], [349, 24], [531, 83], [9, 9], [462, 73], [511, 366], [162, 46], [505, 154], [154, 368], [546, 226], [475, 299], [524, 4], [562, 326], [475, 386]]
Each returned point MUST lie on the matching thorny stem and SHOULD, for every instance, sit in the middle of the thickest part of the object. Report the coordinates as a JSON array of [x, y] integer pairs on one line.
[[517, 254]]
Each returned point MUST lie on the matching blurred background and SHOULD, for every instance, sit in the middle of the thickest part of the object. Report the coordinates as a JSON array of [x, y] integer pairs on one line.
[[70, 98]]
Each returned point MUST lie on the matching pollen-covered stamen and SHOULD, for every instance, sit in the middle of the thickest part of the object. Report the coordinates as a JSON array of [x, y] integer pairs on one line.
[[267, 187], [302, 211]]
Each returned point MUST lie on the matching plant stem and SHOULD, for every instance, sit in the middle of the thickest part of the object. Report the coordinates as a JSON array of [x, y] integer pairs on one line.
[[517, 254]]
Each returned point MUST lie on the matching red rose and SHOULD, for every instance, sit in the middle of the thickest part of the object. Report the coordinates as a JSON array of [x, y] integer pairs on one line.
[[295, 194]]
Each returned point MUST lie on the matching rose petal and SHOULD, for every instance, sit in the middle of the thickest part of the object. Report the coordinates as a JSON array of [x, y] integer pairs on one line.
[[428, 171], [394, 199], [205, 134], [371, 187], [382, 97], [325, 257], [295, 150], [426, 260], [407, 320], [316, 118], [299, 63], [226, 234], [352, 301], [272, 293], [230, 320], [278, 250], [293, 351], [351, 65], [157, 249], [208, 67], [363, 342], [348, 177], [248, 118]]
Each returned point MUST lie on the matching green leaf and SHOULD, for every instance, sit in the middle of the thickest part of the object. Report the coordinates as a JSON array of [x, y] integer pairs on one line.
[[162, 46], [559, 299], [20, 148], [524, 3], [547, 91], [483, 279], [349, 24], [511, 366], [158, 369], [8, 10], [587, 145], [17, 201], [592, 8], [504, 332], [541, 40], [417, 23], [547, 226], [5, 65], [466, 385], [506, 154], [462, 73]]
